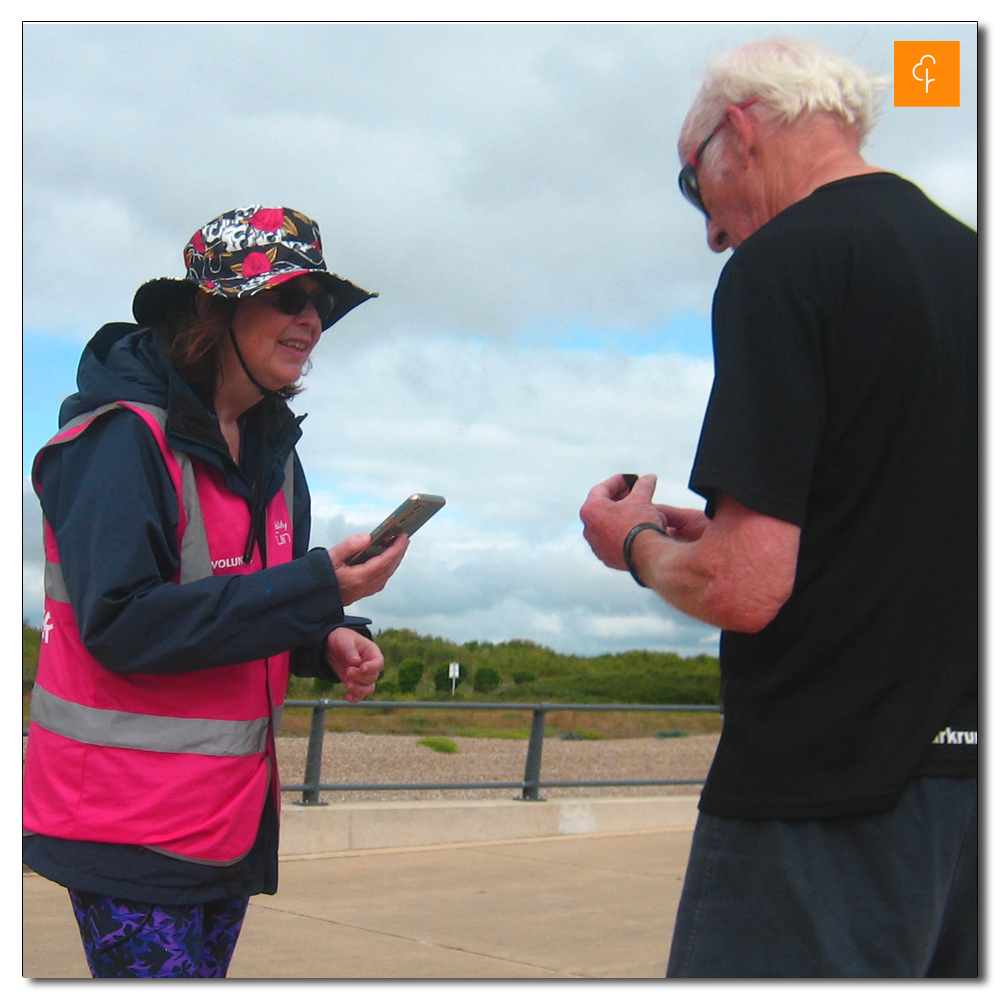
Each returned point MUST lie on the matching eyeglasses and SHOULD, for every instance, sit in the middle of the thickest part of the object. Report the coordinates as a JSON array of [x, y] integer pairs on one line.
[[688, 177], [291, 299]]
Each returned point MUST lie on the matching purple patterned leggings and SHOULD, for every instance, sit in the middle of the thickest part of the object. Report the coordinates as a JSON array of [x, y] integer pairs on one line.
[[128, 940]]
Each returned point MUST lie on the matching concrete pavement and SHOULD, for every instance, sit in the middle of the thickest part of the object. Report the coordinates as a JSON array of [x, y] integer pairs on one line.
[[592, 905]]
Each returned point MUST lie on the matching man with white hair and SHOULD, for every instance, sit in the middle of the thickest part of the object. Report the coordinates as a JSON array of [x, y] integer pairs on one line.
[[838, 552]]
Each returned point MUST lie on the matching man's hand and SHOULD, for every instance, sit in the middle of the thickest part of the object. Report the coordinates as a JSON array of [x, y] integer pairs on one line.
[[736, 573], [682, 523], [369, 577], [356, 660], [611, 512]]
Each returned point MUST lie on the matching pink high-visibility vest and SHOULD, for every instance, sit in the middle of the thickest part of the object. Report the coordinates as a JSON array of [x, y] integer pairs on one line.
[[179, 763]]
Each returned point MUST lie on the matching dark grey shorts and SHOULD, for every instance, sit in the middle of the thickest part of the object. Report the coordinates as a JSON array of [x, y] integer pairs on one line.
[[889, 895]]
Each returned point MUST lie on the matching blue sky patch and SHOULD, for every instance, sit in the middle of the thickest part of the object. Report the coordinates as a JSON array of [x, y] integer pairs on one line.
[[48, 372], [689, 334]]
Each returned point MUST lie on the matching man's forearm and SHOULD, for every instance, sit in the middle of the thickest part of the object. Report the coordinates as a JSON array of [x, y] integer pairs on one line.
[[678, 572], [736, 576]]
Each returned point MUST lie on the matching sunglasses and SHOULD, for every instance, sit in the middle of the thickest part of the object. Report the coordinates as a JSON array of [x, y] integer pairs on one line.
[[291, 299], [688, 177]]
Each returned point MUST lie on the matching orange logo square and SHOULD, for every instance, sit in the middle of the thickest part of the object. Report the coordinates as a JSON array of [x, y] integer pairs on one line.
[[925, 75]]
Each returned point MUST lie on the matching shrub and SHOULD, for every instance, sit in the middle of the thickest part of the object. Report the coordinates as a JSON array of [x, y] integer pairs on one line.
[[409, 674], [321, 688], [31, 640], [439, 743], [542, 674], [442, 682], [300, 688], [665, 734], [486, 679]]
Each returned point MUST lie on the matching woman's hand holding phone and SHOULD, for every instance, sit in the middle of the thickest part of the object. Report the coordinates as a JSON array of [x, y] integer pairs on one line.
[[364, 563], [369, 577]]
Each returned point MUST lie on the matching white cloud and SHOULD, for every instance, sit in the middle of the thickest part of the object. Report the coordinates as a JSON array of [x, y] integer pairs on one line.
[[32, 554], [484, 178], [505, 431], [953, 182], [506, 188]]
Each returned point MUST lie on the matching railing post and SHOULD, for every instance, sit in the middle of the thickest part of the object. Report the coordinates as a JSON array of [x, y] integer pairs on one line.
[[314, 758], [533, 763]]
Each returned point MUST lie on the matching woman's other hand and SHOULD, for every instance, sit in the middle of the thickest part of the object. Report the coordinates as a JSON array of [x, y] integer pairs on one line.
[[357, 661], [369, 577]]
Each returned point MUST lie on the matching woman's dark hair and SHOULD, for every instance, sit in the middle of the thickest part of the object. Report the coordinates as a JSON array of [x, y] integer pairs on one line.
[[192, 340]]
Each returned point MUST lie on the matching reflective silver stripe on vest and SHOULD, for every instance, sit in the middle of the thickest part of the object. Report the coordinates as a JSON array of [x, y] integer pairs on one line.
[[55, 585], [196, 559], [156, 412], [89, 415], [132, 731]]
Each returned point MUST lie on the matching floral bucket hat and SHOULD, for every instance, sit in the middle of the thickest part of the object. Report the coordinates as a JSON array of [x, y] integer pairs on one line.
[[243, 252]]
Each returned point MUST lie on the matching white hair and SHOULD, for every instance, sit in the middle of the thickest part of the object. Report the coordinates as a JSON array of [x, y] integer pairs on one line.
[[789, 76]]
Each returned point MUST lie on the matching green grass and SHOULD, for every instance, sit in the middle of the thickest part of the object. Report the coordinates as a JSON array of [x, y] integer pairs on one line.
[[441, 744], [490, 733]]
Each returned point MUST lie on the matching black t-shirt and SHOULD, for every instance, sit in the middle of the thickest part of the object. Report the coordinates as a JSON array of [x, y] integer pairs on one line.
[[845, 402]]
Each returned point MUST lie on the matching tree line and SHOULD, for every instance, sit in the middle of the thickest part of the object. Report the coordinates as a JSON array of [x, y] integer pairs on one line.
[[416, 667], [518, 670]]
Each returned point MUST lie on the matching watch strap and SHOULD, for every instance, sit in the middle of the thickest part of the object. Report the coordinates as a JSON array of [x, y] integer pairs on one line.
[[630, 539]]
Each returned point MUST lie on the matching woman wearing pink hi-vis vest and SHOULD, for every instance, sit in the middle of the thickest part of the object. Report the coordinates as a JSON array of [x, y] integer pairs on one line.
[[180, 591]]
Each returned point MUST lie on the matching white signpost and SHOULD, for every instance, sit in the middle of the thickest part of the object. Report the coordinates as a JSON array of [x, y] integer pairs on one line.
[[453, 676]]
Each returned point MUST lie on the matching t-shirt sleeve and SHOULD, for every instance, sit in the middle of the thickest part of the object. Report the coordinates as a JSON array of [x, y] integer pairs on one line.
[[765, 415]]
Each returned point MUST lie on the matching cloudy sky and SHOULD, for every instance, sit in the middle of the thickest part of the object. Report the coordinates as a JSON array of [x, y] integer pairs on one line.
[[510, 191]]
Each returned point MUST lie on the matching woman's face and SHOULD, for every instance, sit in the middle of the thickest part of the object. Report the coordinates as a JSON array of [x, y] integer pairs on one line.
[[274, 345]]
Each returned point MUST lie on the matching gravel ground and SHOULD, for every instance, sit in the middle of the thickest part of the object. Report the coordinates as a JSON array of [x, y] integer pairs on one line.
[[360, 758]]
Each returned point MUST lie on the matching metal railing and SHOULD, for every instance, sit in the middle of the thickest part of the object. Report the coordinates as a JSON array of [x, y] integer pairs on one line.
[[311, 785]]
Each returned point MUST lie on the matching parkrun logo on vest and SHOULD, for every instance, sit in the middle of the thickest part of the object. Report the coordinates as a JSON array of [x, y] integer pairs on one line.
[[954, 737], [281, 535], [925, 74]]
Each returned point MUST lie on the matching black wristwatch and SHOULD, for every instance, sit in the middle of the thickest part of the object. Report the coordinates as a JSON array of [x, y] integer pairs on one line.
[[627, 547]]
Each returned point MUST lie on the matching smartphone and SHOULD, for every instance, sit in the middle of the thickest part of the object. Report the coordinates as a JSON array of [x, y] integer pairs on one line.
[[414, 511]]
